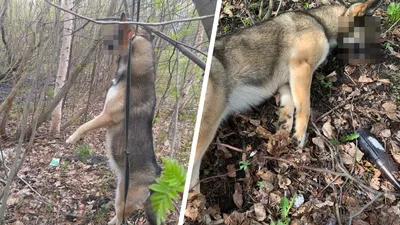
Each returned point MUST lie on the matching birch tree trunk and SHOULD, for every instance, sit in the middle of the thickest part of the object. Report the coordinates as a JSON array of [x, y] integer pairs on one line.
[[66, 41]]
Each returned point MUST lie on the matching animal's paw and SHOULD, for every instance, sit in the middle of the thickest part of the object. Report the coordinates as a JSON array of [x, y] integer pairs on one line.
[[72, 139], [113, 221], [299, 140]]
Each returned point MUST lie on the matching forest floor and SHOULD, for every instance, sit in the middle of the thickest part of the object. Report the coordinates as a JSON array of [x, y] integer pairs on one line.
[[249, 167], [81, 188]]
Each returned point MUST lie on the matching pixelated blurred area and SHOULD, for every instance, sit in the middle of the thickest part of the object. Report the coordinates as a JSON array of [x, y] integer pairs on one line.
[[359, 40], [113, 39]]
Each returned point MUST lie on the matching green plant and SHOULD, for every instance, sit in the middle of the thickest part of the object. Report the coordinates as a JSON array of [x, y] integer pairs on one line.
[[334, 141], [285, 207], [156, 119], [83, 151], [393, 12], [50, 91], [166, 188], [243, 165], [349, 137], [64, 166], [260, 184], [325, 83]]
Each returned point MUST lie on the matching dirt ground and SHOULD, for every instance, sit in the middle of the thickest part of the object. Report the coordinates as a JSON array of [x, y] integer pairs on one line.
[[344, 98]]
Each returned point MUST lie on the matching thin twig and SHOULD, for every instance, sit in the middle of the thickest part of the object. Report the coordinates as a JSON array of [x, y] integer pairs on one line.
[[365, 207], [231, 147], [248, 12], [269, 12], [394, 24], [130, 22], [341, 105], [344, 174], [212, 177], [279, 7], [30, 187]]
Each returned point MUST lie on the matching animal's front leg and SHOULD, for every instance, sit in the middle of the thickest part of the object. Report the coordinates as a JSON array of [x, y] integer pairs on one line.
[[300, 83], [102, 120]]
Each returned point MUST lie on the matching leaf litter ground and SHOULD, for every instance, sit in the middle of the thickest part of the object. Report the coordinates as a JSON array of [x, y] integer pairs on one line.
[[80, 190]]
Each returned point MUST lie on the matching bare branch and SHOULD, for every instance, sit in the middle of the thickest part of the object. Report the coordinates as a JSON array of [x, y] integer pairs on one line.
[[130, 22], [181, 48], [364, 208]]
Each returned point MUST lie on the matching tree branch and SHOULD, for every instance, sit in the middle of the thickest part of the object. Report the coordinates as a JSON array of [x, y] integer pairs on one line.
[[129, 22], [181, 48]]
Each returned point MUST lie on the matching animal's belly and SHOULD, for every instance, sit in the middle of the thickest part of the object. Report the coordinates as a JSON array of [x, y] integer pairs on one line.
[[245, 96]]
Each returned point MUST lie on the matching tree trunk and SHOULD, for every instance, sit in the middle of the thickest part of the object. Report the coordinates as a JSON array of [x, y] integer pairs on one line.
[[204, 8], [66, 42], [73, 75]]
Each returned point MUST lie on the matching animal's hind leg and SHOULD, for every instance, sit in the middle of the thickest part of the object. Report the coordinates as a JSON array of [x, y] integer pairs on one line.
[[137, 195], [119, 204], [151, 216], [214, 108], [286, 111]]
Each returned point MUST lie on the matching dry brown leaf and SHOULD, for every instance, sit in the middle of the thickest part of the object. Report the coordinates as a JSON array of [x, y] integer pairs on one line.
[[231, 170], [375, 180], [396, 32], [385, 81], [395, 209], [349, 200], [320, 204], [260, 212], [236, 218], [263, 133], [266, 175], [238, 196], [196, 204], [375, 183], [347, 88], [360, 222], [255, 122], [275, 198], [355, 93], [385, 133], [304, 209], [350, 151], [329, 178], [284, 182], [349, 69], [395, 151], [389, 107], [365, 79], [327, 130]]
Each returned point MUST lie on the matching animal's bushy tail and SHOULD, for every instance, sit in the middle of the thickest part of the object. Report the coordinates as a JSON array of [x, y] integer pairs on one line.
[[151, 216]]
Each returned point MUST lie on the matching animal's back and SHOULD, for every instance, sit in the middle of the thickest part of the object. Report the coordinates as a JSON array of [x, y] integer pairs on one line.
[[252, 63]]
